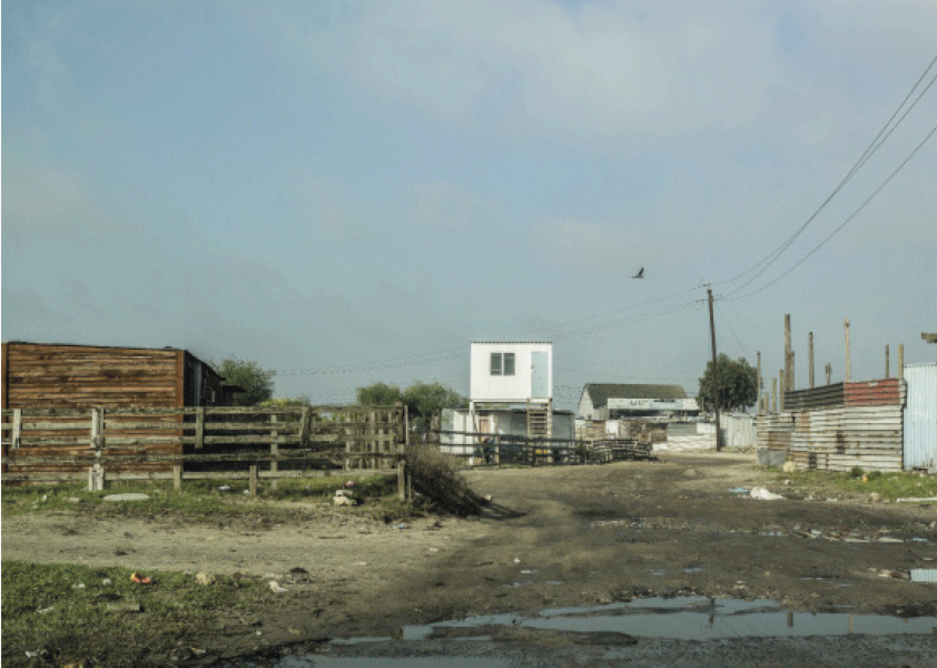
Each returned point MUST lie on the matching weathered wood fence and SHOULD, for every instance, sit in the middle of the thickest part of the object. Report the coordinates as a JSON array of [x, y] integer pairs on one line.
[[164, 443], [485, 449]]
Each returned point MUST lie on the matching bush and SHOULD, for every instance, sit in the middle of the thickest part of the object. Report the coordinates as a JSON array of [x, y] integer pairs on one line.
[[435, 476]]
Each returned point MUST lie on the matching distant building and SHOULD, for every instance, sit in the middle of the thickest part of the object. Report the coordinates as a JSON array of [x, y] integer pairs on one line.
[[619, 401]]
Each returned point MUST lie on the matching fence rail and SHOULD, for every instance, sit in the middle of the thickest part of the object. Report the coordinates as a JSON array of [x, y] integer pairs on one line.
[[157, 443], [483, 449]]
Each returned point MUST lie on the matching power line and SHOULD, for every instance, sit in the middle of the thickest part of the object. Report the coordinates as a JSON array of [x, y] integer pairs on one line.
[[873, 147], [845, 222]]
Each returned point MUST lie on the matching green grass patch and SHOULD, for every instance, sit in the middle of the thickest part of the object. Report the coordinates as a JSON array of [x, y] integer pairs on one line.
[[55, 614], [210, 500], [890, 486]]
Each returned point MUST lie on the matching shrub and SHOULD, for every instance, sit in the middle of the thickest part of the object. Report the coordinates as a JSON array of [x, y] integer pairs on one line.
[[435, 476]]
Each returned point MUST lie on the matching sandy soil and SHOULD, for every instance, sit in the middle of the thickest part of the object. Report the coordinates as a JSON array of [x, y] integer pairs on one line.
[[552, 536]]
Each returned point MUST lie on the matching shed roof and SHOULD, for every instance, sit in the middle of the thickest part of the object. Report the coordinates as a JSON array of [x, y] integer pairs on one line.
[[600, 393]]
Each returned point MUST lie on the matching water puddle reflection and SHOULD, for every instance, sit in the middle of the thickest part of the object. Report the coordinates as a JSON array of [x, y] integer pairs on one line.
[[693, 618]]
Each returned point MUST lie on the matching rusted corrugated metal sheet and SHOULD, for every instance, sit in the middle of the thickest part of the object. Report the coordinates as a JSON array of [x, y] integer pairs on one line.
[[885, 392], [818, 397], [920, 417]]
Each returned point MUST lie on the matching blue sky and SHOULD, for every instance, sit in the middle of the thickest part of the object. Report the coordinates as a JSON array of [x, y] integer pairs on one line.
[[353, 192]]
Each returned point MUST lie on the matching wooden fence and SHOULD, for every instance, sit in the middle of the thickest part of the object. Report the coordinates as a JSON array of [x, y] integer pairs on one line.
[[169, 443], [496, 449]]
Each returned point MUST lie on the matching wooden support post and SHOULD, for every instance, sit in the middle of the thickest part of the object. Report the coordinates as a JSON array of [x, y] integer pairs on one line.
[[274, 451], [811, 361], [848, 368], [402, 481], [252, 485], [712, 332], [17, 434], [781, 393], [774, 395], [304, 426], [887, 368], [177, 478], [788, 383], [901, 360], [96, 473], [829, 373], [758, 393], [199, 427]]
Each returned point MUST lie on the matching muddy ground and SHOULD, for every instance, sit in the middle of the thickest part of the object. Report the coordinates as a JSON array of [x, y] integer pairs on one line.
[[551, 537]]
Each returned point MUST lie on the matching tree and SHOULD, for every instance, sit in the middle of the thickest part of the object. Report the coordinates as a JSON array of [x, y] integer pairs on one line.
[[301, 401], [424, 401], [255, 381], [738, 384], [379, 394]]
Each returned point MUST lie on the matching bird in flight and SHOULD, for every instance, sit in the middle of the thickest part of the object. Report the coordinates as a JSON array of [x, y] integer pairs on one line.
[[640, 273]]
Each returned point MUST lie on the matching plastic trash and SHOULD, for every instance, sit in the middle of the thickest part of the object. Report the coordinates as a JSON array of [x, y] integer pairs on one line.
[[134, 577], [764, 495]]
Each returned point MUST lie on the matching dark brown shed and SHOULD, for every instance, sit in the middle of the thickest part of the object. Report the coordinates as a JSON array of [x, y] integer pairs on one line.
[[42, 375]]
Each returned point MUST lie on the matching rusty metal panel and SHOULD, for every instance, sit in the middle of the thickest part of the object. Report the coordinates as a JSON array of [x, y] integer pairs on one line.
[[920, 417], [884, 392]]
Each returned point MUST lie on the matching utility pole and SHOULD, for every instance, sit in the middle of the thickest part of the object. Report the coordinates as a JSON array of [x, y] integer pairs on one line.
[[712, 332]]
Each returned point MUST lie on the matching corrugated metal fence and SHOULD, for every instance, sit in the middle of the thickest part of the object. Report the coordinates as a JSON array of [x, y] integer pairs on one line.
[[838, 427], [920, 417]]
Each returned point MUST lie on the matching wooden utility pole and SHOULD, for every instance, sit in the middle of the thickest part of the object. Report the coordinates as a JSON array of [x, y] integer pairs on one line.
[[774, 395], [788, 383], [887, 369], [783, 385], [901, 360], [829, 373], [811, 360], [712, 332], [848, 371], [759, 381]]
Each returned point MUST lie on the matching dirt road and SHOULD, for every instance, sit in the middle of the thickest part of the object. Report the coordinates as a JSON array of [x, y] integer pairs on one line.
[[553, 536]]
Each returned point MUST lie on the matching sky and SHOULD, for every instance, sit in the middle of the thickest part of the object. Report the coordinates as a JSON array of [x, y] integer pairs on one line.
[[353, 192]]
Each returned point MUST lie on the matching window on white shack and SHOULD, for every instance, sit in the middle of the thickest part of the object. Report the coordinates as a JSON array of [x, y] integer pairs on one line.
[[502, 364]]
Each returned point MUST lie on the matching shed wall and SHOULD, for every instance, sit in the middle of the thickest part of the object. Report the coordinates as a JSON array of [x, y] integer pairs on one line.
[[920, 417]]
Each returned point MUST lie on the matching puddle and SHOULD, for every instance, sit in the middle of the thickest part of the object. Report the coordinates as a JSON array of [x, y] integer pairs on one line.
[[687, 619], [691, 618], [700, 618], [387, 662]]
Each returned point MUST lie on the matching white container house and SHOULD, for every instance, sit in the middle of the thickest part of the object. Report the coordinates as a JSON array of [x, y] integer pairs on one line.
[[511, 372]]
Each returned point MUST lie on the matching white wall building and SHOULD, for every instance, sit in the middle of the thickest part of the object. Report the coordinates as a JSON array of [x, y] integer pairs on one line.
[[508, 373], [511, 372]]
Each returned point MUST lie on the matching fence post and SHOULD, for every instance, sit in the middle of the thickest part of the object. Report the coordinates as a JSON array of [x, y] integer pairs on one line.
[[274, 452], [17, 427], [253, 480], [304, 428], [199, 427], [96, 472], [402, 480], [177, 478]]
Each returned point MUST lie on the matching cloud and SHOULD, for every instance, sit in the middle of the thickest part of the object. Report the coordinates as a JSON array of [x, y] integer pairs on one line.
[[42, 201], [588, 246], [445, 205]]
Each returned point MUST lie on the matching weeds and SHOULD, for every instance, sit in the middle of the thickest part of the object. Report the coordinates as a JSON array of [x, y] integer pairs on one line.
[[890, 486], [435, 476], [56, 614], [202, 500]]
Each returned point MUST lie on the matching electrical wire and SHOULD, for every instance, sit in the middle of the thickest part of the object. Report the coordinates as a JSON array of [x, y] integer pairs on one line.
[[873, 147], [845, 222]]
